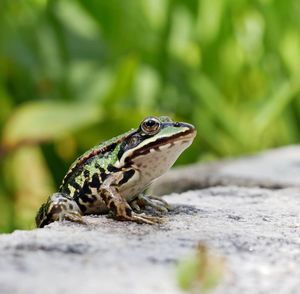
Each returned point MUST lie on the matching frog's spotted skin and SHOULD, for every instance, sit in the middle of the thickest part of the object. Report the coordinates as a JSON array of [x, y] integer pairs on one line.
[[112, 176]]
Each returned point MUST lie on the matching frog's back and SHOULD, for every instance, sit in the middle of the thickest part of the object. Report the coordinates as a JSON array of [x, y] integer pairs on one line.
[[91, 165]]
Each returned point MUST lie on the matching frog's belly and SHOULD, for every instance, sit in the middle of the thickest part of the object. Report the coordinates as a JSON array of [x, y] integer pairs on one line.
[[137, 185], [134, 187]]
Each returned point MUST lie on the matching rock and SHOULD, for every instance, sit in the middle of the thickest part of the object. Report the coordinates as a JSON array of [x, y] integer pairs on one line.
[[279, 168], [251, 219], [255, 229]]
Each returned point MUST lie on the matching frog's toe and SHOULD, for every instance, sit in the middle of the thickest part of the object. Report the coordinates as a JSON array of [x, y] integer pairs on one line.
[[135, 206], [140, 218], [147, 219], [159, 207], [164, 203], [154, 202]]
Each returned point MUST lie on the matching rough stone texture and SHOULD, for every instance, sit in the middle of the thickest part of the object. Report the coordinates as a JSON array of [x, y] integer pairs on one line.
[[279, 168], [255, 229]]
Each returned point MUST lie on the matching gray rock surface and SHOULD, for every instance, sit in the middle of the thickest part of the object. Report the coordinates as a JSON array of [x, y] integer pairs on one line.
[[255, 229], [278, 168]]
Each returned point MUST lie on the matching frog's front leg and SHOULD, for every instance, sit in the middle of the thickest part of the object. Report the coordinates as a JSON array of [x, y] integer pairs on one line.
[[58, 207], [118, 205]]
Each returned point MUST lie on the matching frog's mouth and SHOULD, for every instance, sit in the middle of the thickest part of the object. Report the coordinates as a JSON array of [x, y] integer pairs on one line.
[[185, 138]]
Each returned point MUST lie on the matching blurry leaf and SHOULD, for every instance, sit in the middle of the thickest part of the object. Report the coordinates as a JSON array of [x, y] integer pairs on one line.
[[155, 11], [147, 85], [209, 18], [40, 3], [201, 272], [89, 82], [32, 184], [5, 105], [207, 130], [6, 212], [49, 52], [214, 102], [123, 81], [40, 121], [75, 18], [250, 28], [66, 147], [124, 27], [276, 104], [290, 51], [232, 56], [181, 44]]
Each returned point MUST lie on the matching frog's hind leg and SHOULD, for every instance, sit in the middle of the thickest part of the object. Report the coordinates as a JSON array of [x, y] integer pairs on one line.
[[58, 207], [118, 205]]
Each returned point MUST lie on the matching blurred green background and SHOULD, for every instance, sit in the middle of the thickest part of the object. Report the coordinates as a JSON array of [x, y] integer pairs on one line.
[[76, 72]]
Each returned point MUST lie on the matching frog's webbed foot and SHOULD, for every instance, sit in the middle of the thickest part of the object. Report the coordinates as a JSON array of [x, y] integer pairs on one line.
[[59, 207], [143, 200], [141, 218]]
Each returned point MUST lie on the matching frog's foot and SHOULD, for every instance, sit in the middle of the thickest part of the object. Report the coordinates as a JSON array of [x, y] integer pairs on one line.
[[141, 218], [147, 200], [58, 207]]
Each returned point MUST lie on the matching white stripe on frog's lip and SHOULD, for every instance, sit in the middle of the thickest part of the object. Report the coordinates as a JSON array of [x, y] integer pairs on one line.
[[188, 134]]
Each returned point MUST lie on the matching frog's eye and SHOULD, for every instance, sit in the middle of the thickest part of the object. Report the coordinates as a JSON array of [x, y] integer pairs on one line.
[[150, 125]]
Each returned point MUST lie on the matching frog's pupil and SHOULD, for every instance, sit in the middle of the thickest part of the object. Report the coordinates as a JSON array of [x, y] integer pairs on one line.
[[150, 123]]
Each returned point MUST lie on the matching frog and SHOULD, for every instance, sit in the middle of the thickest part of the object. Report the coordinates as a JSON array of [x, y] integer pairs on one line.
[[113, 177]]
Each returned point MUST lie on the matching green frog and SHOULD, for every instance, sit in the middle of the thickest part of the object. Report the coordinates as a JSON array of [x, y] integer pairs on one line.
[[113, 177]]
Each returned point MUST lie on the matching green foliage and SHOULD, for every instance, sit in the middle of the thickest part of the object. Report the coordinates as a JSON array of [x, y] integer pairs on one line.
[[73, 73], [201, 272]]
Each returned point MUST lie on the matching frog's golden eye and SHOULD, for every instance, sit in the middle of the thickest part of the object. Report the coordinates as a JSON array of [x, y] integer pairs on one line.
[[150, 125]]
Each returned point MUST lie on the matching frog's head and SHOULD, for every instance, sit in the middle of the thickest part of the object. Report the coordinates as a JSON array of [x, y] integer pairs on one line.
[[154, 147]]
